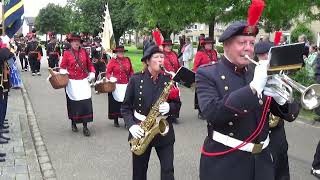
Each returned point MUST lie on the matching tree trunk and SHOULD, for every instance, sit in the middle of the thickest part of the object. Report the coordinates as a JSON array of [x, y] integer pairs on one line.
[[211, 28], [166, 34], [137, 37]]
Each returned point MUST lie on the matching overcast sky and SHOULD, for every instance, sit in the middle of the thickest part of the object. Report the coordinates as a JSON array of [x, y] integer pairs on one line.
[[32, 7]]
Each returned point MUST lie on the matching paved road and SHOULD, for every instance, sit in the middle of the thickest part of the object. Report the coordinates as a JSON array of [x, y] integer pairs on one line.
[[106, 155]]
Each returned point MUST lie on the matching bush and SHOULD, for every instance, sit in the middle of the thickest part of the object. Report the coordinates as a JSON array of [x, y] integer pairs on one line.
[[220, 49], [301, 76], [175, 46], [139, 46], [302, 29]]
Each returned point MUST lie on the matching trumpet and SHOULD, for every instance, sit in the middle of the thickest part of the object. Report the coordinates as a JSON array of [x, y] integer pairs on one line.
[[310, 96]]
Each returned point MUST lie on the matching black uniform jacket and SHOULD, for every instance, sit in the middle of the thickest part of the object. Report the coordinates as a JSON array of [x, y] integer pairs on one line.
[[142, 92], [230, 107], [53, 50], [33, 47]]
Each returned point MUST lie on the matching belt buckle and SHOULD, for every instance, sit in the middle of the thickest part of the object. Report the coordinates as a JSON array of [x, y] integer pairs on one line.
[[257, 148]]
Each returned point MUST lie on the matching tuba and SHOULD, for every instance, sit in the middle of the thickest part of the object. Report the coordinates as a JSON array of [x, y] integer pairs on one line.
[[150, 126]]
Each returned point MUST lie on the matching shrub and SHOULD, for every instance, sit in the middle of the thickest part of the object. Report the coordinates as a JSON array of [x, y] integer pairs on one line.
[[176, 46], [302, 29], [220, 49]]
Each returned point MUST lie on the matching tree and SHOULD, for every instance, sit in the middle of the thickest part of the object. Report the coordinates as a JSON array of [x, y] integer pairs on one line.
[[302, 29], [170, 16], [51, 18], [87, 16]]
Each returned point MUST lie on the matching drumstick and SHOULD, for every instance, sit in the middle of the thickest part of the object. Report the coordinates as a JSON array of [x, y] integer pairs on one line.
[[251, 60]]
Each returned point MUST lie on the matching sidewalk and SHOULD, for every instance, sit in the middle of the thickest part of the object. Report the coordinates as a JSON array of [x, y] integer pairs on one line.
[[21, 160]]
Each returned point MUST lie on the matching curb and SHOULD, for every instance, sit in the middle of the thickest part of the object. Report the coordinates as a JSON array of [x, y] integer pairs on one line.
[[43, 157]]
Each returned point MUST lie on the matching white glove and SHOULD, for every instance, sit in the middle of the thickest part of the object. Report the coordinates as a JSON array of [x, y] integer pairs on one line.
[[63, 71], [279, 99], [136, 131], [91, 76], [260, 77], [164, 108]]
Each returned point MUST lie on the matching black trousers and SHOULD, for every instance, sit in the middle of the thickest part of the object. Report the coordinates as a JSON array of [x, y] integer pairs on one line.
[[53, 61], [3, 107], [34, 63], [165, 155], [99, 67], [279, 149], [23, 61], [316, 160]]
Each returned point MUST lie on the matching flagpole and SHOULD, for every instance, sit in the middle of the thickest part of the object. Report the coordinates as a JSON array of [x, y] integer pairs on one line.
[[3, 28]]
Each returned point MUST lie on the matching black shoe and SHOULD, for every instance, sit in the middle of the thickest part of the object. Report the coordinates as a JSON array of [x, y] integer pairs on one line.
[[6, 120], [2, 160], [315, 173], [200, 116], [4, 137], [2, 131], [74, 127], [86, 131], [116, 123], [2, 141], [2, 154]]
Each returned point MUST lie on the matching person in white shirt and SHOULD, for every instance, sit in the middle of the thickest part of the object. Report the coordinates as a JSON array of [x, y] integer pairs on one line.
[[187, 55]]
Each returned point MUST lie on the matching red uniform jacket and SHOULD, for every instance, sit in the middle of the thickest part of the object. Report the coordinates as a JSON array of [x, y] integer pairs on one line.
[[171, 62], [122, 74], [75, 71], [203, 57]]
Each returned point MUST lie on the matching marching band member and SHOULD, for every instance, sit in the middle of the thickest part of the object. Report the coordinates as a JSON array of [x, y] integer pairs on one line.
[[53, 51], [232, 100], [99, 58], [34, 52], [121, 69], [204, 56], [278, 141], [22, 54], [77, 64], [143, 91], [171, 64]]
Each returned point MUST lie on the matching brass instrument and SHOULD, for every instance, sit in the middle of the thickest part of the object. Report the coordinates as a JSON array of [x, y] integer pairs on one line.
[[150, 125], [273, 120], [310, 96]]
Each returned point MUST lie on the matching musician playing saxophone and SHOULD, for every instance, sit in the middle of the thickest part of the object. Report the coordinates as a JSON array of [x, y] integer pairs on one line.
[[143, 91]]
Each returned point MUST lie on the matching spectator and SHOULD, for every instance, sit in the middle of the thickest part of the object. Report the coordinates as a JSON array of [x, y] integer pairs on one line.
[[187, 53], [303, 39], [310, 62]]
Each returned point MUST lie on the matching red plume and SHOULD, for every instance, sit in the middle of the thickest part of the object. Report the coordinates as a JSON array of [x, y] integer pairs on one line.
[[157, 36], [277, 38], [255, 11]]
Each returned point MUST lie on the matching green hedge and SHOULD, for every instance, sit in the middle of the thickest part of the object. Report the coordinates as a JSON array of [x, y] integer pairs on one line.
[[302, 29], [220, 49]]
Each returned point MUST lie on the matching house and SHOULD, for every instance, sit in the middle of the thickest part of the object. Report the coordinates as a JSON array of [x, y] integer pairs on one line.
[[28, 25]]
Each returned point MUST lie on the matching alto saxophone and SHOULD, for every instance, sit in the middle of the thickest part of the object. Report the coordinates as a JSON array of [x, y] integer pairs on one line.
[[150, 126]]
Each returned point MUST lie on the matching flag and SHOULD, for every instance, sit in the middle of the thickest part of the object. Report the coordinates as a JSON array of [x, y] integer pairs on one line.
[[13, 11], [108, 41]]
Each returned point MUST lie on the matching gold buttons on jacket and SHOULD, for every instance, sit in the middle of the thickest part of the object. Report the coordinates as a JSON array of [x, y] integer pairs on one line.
[[245, 111], [230, 123], [141, 81], [236, 115], [140, 93], [140, 87], [140, 99], [231, 134], [223, 77], [226, 88]]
